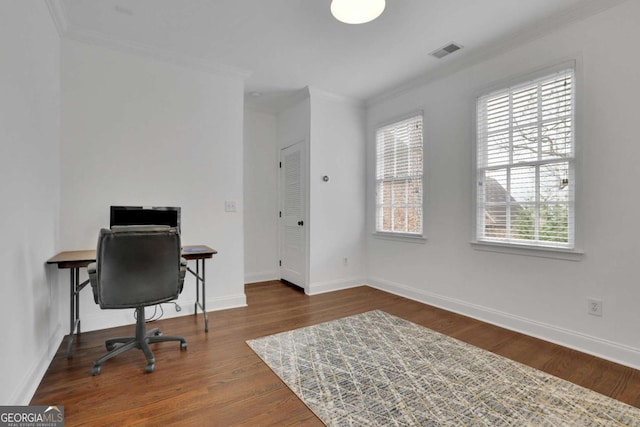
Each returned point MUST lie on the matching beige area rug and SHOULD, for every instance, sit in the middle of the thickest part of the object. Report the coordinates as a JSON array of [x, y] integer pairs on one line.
[[378, 369]]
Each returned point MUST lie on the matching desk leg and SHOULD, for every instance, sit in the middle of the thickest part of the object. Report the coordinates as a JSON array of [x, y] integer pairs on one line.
[[76, 292], [197, 274], [74, 306], [200, 288], [204, 302]]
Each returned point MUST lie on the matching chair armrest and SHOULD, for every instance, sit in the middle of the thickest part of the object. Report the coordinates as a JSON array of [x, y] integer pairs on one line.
[[92, 269], [183, 273], [183, 268]]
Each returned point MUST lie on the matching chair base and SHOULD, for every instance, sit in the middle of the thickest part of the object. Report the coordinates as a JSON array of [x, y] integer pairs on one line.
[[141, 341]]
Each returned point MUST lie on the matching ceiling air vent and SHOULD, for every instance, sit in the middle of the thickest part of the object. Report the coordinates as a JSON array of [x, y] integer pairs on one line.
[[445, 50]]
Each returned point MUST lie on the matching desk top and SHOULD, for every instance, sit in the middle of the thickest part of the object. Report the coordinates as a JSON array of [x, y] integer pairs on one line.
[[73, 259], [197, 252]]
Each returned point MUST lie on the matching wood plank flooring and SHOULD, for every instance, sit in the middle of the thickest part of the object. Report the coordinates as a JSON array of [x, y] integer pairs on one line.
[[219, 381]]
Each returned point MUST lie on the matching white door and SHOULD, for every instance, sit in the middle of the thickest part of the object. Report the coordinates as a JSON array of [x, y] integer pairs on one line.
[[292, 215]]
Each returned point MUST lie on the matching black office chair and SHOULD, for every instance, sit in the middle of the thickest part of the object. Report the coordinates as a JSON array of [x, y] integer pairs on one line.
[[137, 266]]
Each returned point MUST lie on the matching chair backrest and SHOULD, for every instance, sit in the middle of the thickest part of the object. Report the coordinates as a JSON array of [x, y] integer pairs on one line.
[[137, 266]]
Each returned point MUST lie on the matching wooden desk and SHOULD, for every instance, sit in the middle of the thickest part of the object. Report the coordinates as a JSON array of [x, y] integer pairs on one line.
[[75, 260]]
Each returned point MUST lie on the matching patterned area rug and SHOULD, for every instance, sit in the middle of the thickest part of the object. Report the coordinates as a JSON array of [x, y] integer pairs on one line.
[[378, 369]]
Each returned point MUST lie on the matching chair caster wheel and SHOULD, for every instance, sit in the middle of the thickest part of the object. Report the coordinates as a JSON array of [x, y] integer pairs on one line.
[[96, 370], [183, 345], [158, 333], [110, 346], [150, 368]]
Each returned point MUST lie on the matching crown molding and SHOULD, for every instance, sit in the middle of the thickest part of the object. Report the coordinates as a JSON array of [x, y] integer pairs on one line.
[[175, 58], [59, 15], [334, 97], [275, 102], [279, 101], [512, 41]]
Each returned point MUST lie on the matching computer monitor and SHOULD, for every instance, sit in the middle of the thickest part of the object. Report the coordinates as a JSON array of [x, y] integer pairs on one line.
[[143, 215]]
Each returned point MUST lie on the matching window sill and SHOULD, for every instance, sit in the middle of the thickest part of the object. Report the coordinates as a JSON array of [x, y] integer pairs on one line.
[[537, 251], [402, 237]]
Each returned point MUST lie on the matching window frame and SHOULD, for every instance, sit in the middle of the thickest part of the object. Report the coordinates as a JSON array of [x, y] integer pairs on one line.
[[396, 235], [571, 252]]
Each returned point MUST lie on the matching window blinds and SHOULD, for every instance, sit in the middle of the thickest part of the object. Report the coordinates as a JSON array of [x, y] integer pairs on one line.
[[399, 164], [526, 163]]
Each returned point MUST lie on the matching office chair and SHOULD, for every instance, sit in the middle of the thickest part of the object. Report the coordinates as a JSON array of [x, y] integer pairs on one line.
[[137, 266]]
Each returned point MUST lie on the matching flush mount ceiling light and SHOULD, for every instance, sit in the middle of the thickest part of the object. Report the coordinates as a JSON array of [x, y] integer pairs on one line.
[[357, 11]]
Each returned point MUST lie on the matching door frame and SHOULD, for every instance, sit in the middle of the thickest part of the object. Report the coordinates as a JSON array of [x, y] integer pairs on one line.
[[304, 185]]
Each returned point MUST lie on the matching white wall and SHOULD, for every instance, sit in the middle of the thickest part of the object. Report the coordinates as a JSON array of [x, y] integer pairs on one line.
[[539, 296], [260, 197], [294, 123], [337, 207], [332, 131], [137, 131], [29, 195]]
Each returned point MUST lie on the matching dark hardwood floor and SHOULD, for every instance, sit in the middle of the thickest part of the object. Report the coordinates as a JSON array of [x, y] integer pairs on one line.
[[219, 381]]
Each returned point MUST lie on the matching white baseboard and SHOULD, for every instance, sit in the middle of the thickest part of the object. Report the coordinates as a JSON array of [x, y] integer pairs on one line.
[[34, 376], [263, 276], [232, 301], [334, 285], [612, 351]]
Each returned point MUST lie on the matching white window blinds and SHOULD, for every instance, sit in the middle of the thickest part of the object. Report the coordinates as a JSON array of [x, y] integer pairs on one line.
[[526, 163], [399, 163]]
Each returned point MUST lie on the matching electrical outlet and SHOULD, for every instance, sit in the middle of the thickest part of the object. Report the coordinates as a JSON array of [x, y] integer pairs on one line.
[[595, 307], [230, 206]]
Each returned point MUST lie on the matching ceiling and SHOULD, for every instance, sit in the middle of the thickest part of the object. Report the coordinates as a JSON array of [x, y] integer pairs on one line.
[[281, 46]]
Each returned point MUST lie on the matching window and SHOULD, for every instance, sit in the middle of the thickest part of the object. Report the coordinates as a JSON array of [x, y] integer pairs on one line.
[[399, 163], [526, 163]]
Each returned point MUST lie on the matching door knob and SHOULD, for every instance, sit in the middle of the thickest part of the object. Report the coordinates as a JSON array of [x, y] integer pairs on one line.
[[301, 223]]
